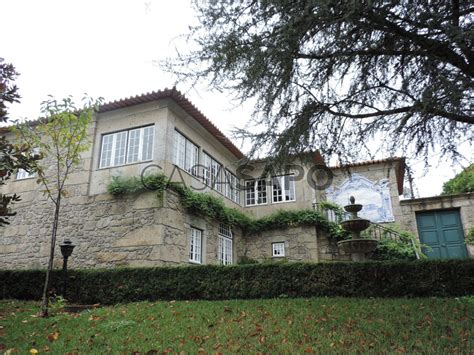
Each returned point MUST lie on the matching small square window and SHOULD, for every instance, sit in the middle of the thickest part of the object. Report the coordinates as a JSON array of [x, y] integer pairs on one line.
[[278, 249]]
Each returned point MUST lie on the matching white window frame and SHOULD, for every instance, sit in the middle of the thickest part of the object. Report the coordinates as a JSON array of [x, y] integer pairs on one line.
[[225, 245], [185, 154], [122, 156], [22, 174], [287, 193], [232, 191], [252, 188], [278, 249], [195, 246]]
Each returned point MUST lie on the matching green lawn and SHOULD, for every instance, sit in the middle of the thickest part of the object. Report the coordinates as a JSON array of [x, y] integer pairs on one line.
[[319, 325]]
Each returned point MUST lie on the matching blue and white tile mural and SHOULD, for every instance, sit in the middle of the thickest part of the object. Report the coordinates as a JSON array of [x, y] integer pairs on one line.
[[375, 197]]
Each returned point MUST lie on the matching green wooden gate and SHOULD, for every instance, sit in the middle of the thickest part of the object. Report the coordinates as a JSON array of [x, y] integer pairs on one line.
[[442, 232]]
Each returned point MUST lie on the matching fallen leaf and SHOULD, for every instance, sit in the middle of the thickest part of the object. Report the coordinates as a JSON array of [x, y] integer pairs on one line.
[[53, 336], [33, 351]]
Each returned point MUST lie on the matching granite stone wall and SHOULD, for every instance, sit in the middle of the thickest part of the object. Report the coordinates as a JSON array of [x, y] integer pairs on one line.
[[306, 243], [134, 230]]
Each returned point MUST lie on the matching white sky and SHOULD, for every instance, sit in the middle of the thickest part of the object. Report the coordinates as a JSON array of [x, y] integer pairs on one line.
[[107, 48]]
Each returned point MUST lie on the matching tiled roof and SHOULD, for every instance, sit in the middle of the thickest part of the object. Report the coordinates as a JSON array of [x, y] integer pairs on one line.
[[399, 172], [185, 104]]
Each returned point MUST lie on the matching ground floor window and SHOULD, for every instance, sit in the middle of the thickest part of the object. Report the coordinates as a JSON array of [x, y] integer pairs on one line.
[[195, 246], [278, 249], [225, 245]]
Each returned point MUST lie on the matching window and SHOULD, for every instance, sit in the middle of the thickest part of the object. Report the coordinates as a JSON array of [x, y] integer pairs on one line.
[[283, 188], [214, 174], [195, 246], [23, 174], [256, 192], [225, 245], [186, 154], [126, 147], [278, 249], [232, 187]]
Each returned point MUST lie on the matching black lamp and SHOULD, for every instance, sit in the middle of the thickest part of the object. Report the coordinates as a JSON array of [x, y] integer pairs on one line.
[[66, 250]]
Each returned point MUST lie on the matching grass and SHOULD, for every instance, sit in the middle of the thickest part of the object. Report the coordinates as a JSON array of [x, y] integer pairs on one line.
[[319, 325]]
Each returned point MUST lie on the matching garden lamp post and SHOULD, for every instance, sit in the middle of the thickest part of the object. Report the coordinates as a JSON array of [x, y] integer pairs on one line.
[[66, 251]]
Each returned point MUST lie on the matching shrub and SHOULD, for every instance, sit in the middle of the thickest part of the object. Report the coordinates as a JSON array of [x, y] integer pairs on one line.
[[368, 279]]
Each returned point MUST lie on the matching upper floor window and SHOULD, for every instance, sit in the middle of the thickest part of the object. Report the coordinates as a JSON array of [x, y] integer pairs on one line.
[[23, 174], [186, 154], [256, 192], [126, 147], [283, 188], [232, 187], [212, 172]]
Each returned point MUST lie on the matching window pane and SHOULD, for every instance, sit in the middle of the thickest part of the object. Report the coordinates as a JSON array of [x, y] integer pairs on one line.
[[180, 149], [23, 174], [195, 246], [277, 190], [262, 191], [216, 172], [228, 184], [289, 188], [225, 245], [191, 158], [106, 154], [120, 148], [278, 249], [250, 193], [133, 145], [147, 148], [206, 173]]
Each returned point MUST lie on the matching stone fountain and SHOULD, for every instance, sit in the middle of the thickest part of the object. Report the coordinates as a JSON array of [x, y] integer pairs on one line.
[[357, 247]]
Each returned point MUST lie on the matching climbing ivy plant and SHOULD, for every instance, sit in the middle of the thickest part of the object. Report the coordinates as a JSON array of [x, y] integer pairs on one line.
[[210, 206]]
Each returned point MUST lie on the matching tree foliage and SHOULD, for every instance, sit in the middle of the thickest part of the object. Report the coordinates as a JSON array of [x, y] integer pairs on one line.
[[12, 157], [334, 75], [61, 136], [462, 182]]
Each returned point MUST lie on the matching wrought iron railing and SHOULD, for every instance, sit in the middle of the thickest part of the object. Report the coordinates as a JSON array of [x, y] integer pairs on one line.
[[375, 231]]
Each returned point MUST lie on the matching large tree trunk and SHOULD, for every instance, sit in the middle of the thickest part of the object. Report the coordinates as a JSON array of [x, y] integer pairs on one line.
[[45, 301]]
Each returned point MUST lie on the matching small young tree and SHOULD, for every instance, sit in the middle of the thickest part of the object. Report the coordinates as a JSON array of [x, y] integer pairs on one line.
[[60, 136]]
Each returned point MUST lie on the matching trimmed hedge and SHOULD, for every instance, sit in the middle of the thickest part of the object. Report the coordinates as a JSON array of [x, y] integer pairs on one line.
[[369, 279]]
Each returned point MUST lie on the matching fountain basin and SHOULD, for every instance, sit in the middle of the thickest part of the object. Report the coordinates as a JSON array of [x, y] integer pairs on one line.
[[352, 208], [358, 248], [355, 225]]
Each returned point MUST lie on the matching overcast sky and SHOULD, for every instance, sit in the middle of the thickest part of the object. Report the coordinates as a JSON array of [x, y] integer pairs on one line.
[[107, 49]]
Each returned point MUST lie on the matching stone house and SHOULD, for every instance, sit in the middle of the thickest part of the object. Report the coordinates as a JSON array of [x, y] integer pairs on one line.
[[163, 131]]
